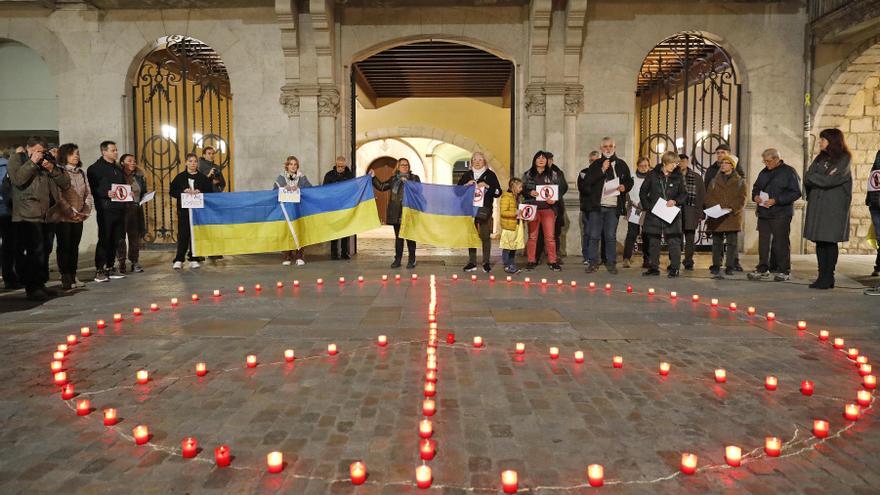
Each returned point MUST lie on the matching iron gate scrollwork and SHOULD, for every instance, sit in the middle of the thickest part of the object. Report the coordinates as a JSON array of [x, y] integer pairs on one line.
[[689, 102], [181, 103]]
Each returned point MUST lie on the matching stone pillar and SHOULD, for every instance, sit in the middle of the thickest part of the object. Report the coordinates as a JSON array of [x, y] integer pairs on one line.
[[536, 109], [328, 109], [301, 104]]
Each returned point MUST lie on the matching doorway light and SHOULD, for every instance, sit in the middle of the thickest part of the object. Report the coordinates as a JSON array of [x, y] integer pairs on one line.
[[169, 132]]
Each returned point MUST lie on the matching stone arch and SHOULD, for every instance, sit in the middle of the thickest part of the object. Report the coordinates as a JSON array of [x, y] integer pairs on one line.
[[44, 42], [461, 40], [846, 80]]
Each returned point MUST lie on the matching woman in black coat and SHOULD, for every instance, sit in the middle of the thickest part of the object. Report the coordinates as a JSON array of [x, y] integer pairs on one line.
[[664, 182], [828, 184], [188, 181], [487, 181], [394, 211]]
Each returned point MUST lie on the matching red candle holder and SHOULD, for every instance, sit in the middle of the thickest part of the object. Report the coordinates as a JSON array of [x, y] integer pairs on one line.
[[415, 276], [664, 368], [83, 407], [520, 348], [772, 446], [189, 447], [473, 278], [332, 350], [341, 280], [863, 397], [617, 361], [258, 287], [771, 316], [154, 307], [579, 356], [673, 295], [543, 281], [384, 278], [56, 366], [801, 325], [560, 282], [430, 389], [217, 293], [136, 311], [454, 276], [733, 455], [823, 335], [201, 369], [426, 428], [695, 298], [101, 324], [141, 434], [688, 463], [423, 477], [251, 361], [117, 317], [596, 475], [852, 353], [110, 416], [509, 278], [869, 382], [428, 407], [174, 302], [450, 338], [280, 285], [527, 280], [360, 279], [142, 376], [820, 428], [426, 449], [85, 331], [573, 283], [592, 285], [275, 462], [607, 287], [358, 472], [720, 375], [63, 348], [58, 356], [241, 289], [751, 311], [714, 303], [296, 284], [67, 391], [651, 291], [289, 355], [771, 382], [807, 387], [851, 412], [60, 378], [865, 369], [629, 289], [194, 297], [222, 456], [732, 306], [431, 376], [382, 340], [554, 353], [838, 343], [478, 342], [509, 481], [71, 339]]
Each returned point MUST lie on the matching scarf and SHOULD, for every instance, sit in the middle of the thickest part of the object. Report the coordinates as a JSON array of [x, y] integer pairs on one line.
[[690, 182], [395, 188]]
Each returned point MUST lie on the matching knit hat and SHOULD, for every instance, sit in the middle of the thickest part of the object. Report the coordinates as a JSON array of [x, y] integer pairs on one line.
[[730, 158]]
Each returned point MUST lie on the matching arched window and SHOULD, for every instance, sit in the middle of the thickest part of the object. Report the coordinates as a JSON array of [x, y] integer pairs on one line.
[[181, 103]]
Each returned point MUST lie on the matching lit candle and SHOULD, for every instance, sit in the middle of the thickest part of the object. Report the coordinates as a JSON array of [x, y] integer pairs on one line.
[[431, 351], [431, 376], [823, 335], [430, 389], [554, 352], [629, 289], [520, 348], [358, 471], [664, 368], [279, 284], [142, 376], [862, 359], [771, 382], [771, 316], [454, 276], [222, 456], [110, 416], [216, 292], [863, 397], [60, 378], [426, 449], [360, 279], [154, 307], [560, 282], [251, 361], [714, 303], [473, 278], [509, 481], [195, 297], [331, 349], [596, 475], [428, 407], [592, 285], [543, 281], [688, 463], [382, 340], [141, 434], [83, 407], [651, 291], [617, 361], [865, 369], [426, 429], [174, 301], [423, 476], [869, 382], [85, 331], [851, 412], [751, 310], [296, 283], [772, 446], [673, 295], [275, 462], [838, 343], [189, 447], [384, 278], [720, 375], [201, 369], [415, 276], [56, 366], [732, 306], [101, 324], [117, 317], [579, 356], [695, 298], [802, 325], [450, 338], [807, 387], [71, 339], [733, 455], [509, 278], [432, 364], [258, 287], [852, 353], [341, 280], [574, 283], [67, 392], [58, 356], [820, 428], [478, 341], [607, 286], [241, 289], [63, 348], [527, 280]]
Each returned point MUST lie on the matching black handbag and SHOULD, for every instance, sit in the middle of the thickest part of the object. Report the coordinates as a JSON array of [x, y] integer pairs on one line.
[[483, 214]]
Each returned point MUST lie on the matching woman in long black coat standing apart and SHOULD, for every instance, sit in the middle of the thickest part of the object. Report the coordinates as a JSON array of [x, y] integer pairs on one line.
[[828, 184]]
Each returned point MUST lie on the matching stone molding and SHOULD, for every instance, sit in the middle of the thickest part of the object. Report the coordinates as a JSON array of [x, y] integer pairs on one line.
[[328, 101], [291, 94], [535, 100]]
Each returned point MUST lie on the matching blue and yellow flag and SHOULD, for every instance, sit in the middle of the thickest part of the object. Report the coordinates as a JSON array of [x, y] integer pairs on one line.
[[254, 222], [439, 215]]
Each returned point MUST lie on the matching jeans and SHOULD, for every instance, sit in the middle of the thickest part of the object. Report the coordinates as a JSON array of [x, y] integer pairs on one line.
[[8, 250], [131, 230], [484, 228], [336, 243], [31, 262], [545, 220], [398, 245], [774, 246], [585, 235], [721, 242], [69, 235], [604, 223], [875, 219], [689, 237], [508, 257], [110, 233], [674, 244]]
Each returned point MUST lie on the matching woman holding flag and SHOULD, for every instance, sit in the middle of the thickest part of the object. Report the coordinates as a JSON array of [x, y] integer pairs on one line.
[[394, 211], [489, 188], [292, 180]]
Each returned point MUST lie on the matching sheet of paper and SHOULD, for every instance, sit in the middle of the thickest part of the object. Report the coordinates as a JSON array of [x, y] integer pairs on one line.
[[716, 211], [192, 200], [527, 212], [122, 193], [547, 193], [611, 187], [479, 196], [288, 196], [634, 192], [634, 216], [147, 197], [666, 213]]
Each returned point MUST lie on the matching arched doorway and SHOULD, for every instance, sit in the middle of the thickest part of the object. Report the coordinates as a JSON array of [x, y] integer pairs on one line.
[[181, 103], [28, 96], [383, 167]]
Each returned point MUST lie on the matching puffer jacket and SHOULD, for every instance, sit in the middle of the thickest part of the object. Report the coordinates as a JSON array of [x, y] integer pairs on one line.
[[508, 207], [394, 212], [729, 192], [656, 186]]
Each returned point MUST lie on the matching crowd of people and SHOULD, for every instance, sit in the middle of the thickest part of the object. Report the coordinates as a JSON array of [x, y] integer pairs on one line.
[[46, 195]]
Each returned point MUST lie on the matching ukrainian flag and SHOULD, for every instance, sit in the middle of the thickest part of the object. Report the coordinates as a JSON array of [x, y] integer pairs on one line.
[[255, 222], [439, 215]]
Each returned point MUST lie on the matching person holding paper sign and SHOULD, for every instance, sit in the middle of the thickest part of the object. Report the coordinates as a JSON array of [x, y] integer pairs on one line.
[[71, 208], [692, 209], [635, 216], [190, 181], [666, 184], [487, 182], [540, 174], [727, 190], [135, 224], [292, 180], [609, 180], [109, 213]]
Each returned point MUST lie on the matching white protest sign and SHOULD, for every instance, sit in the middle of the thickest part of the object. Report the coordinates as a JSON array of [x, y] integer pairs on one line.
[[527, 212], [634, 192], [874, 181], [121, 193], [716, 211], [288, 195], [547, 192], [196, 200], [147, 197], [479, 196], [611, 187]]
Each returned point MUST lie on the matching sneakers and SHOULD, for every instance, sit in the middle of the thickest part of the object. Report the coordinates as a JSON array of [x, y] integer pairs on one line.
[[78, 283], [530, 266], [286, 263], [555, 267], [470, 267], [300, 262], [612, 269], [177, 265], [38, 295], [781, 277], [756, 275], [396, 264], [689, 267], [101, 276], [585, 262], [136, 268], [346, 257], [730, 270], [487, 267], [716, 275], [411, 264], [591, 268], [651, 272], [511, 269], [112, 273], [194, 264]]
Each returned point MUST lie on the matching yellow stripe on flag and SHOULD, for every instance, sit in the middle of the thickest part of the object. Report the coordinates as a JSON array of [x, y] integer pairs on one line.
[[323, 227], [439, 230], [242, 238]]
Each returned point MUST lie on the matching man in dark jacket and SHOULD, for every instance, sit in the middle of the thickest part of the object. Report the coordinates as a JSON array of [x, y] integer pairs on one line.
[[692, 209], [606, 203], [339, 173], [774, 192], [584, 197], [31, 174], [210, 170], [110, 214]]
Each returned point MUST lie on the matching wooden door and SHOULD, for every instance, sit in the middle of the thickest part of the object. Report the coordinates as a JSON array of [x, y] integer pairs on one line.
[[383, 167]]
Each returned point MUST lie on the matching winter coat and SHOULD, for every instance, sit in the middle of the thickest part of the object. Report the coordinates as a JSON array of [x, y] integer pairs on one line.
[[872, 199], [508, 206], [334, 176], [76, 197], [205, 168], [300, 180], [493, 189], [394, 212], [31, 190], [783, 185], [102, 175], [728, 192], [595, 181], [713, 169], [181, 183], [137, 178], [692, 214], [656, 186], [829, 196], [552, 175]]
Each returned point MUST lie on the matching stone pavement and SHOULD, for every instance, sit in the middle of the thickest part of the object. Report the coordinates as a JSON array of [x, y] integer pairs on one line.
[[546, 419]]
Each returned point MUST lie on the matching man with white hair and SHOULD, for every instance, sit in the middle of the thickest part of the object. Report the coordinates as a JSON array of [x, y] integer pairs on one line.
[[609, 181]]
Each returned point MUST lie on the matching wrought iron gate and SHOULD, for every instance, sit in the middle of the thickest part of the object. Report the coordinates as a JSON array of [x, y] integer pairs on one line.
[[181, 103], [689, 101]]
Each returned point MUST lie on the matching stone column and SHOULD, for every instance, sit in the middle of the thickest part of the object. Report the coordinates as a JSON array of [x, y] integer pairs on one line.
[[536, 109], [328, 109], [301, 104]]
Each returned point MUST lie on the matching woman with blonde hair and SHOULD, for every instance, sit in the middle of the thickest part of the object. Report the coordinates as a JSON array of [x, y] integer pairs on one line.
[[292, 180], [394, 210], [489, 187], [664, 183]]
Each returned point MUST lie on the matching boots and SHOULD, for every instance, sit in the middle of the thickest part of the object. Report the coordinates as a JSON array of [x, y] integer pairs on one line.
[[67, 281]]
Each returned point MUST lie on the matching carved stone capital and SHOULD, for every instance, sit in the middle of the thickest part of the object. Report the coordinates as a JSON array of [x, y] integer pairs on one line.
[[328, 101], [574, 99], [535, 100], [289, 99]]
